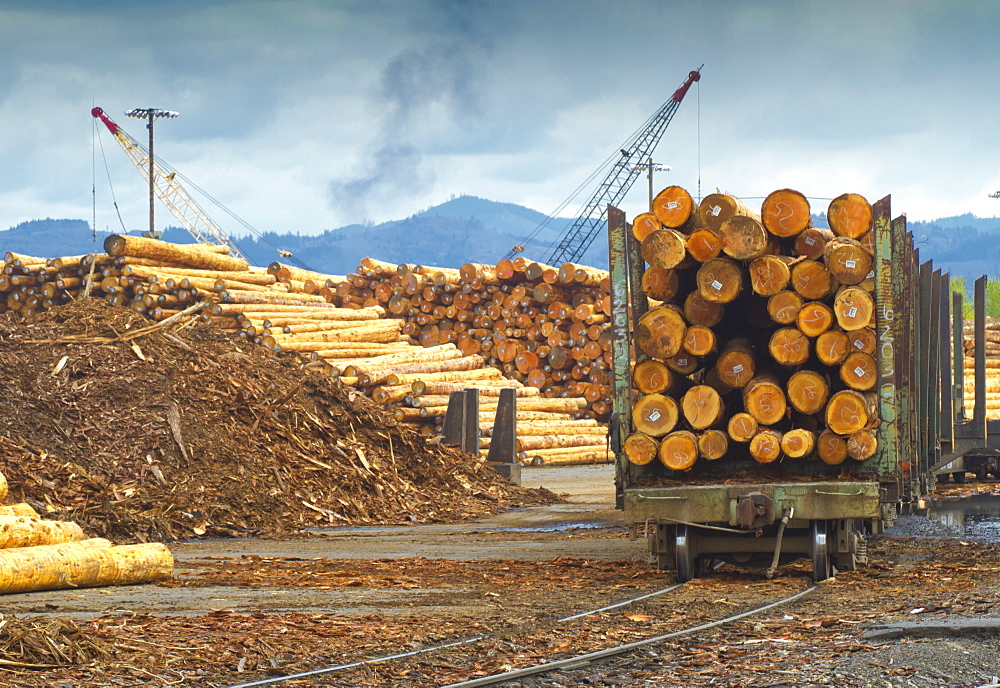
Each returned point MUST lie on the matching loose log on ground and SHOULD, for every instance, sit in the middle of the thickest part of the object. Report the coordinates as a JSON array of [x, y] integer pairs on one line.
[[854, 308], [655, 414], [679, 450], [807, 391], [765, 446]]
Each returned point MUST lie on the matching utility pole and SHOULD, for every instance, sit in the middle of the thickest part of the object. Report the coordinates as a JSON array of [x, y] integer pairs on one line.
[[150, 114], [649, 167]]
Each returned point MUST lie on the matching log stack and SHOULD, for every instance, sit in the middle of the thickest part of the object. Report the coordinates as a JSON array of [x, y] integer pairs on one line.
[[759, 338], [39, 554], [406, 335], [992, 345]]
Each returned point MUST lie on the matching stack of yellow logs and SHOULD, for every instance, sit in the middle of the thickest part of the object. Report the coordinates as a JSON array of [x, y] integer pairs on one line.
[[992, 350], [38, 554], [289, 309]]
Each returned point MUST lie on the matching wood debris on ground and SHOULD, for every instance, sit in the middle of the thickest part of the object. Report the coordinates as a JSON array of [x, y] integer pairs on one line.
[[143, 432]]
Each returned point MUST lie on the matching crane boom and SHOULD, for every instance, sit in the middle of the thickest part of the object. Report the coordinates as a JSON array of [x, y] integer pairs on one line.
[[195, 220], [576, 239]]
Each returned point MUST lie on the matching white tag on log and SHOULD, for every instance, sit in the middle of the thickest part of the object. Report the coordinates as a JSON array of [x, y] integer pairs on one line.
[[850, 264], [673, 205], [682, 362], [859, 372], [870, 275], [853, 312], [716, 209], [858, 344], [653, 416], [810, 241], [716, 285], [738, 368]]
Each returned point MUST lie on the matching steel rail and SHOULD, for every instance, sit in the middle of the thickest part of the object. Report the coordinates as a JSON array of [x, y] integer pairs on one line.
[[444, 646], [579, 660]]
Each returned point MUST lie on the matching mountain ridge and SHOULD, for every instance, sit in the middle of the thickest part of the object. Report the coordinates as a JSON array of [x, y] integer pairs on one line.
[[470, 229]]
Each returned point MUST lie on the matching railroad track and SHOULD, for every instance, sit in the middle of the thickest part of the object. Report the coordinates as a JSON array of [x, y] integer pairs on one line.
[[543, 645]]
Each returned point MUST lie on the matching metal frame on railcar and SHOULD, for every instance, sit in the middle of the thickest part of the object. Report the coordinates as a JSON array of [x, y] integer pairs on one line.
[[819, 511]]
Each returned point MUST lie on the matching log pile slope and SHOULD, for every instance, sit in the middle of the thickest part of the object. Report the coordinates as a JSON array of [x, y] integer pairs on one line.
[[144, 431], [405, 335], [759, 339]]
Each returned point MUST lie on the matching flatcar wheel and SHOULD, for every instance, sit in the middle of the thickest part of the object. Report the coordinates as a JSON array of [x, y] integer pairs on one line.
[[684, 552], [822, 567]]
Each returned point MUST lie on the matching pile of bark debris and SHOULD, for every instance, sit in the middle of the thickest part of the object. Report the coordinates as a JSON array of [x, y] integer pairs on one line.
[[143, 431]]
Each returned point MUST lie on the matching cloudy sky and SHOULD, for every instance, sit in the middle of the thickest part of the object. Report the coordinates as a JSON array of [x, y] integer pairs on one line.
[[305, 115]]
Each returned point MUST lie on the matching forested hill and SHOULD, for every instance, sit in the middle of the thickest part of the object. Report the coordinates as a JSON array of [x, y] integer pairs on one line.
[[462, 230]]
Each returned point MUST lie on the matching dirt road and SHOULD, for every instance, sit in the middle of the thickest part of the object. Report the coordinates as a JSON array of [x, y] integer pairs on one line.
[[924, 613]]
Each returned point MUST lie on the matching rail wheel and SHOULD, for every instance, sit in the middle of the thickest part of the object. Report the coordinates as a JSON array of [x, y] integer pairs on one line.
[[822, 565], [685, 555]]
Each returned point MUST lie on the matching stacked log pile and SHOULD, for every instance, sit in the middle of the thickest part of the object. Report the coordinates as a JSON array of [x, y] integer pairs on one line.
[[405, 335], [759, 338], [39, 554], [992, 369]]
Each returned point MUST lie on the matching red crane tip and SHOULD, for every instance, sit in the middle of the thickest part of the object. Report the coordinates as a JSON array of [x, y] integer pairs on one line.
[[97, 112]]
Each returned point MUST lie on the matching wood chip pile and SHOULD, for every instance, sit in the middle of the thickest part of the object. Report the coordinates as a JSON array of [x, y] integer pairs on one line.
[[141, 432], [405, 335], [759, 338]]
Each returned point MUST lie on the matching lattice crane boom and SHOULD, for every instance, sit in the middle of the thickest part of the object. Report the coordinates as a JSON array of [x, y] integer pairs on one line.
[[576, 239], [187, 211]]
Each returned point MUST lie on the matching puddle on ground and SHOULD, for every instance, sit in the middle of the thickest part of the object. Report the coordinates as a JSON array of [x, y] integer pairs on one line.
[[974, 518]]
